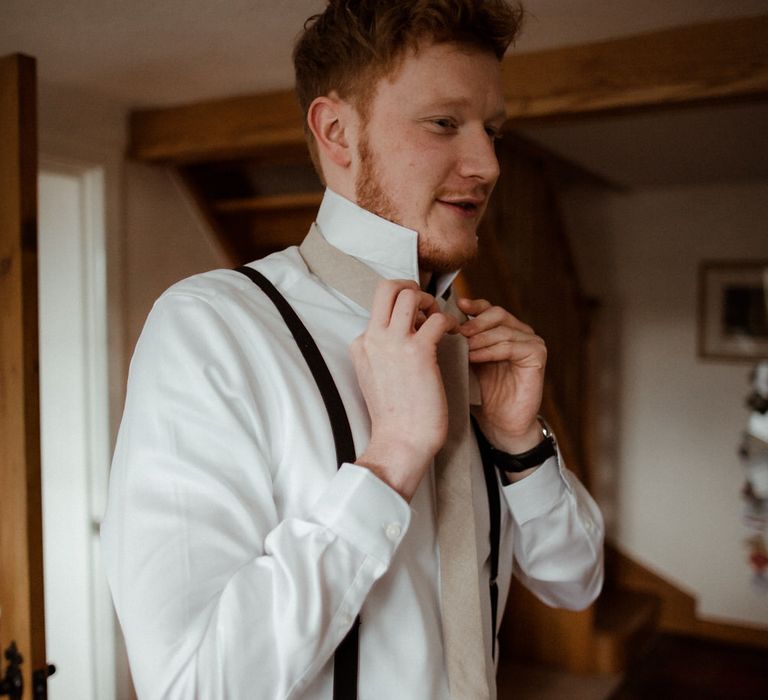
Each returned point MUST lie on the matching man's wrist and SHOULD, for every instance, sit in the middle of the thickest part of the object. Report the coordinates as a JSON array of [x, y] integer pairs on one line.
[[401, 470], [519, 442], [515, 465]]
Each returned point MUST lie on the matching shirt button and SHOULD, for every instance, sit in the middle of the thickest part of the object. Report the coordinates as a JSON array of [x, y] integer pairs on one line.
[[589, 525], [393, 531], [345, 620]]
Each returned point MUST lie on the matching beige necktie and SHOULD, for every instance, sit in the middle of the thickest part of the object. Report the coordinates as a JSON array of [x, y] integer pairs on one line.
[[459, 575]]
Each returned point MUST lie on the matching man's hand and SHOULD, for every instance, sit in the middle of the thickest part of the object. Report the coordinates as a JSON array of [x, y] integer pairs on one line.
[[396, 364], [509, 360]]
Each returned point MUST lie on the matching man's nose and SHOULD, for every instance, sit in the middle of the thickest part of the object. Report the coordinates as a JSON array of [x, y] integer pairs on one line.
[[478, 158]]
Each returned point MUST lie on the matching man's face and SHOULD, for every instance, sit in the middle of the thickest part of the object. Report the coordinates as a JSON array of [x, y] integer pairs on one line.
[[425, 152]]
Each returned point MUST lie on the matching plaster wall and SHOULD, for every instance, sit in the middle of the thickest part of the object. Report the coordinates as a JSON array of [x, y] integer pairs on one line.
[[165, 241], [669, 422]]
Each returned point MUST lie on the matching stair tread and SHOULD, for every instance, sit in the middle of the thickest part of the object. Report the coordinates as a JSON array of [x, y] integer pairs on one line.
[[625, 620], [621, 611]]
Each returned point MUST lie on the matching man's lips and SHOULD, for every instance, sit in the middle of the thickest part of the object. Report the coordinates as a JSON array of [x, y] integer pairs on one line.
[[467, 206]]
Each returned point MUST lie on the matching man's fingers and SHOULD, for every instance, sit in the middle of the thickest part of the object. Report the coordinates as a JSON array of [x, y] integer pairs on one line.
[[531, 352], [436, 326], [484, 316], [473, 306], [384, 298], [409, 306], [499, 334]]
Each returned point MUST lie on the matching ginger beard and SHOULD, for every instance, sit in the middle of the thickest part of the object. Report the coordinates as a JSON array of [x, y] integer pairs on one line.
[[438, 252]]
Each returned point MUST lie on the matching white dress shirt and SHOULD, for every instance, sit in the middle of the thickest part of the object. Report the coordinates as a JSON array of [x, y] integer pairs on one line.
[[239, 555]]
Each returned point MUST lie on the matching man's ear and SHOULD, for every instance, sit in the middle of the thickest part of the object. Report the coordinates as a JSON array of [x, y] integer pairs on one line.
[[328, 118]]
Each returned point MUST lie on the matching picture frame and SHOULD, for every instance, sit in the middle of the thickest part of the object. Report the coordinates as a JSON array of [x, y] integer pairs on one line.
[[733, 310]]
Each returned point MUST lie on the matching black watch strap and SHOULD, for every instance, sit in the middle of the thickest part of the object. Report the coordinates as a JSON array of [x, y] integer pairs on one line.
[[516, 463], [525, 460]]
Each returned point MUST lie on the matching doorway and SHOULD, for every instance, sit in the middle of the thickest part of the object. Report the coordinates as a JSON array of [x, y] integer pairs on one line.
[[74, 421]]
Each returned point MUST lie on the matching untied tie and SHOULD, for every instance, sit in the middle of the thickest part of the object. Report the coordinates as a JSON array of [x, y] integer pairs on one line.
[[464, 648]]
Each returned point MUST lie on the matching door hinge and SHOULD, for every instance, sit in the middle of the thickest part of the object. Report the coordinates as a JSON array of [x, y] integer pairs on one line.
[[12, 682], [40, 682]]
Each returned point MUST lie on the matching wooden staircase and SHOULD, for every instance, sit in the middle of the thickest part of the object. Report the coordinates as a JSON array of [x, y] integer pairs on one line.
[[624, 621]]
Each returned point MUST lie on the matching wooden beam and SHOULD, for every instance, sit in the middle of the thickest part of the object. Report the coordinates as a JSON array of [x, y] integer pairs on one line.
[[685, 65], [700, 63], [219, 129], [271, 203]]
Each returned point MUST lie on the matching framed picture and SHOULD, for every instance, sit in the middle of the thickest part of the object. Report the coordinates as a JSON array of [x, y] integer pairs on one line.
[[733, 310]]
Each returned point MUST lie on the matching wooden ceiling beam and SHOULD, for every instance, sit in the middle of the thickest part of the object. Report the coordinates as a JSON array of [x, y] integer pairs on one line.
[[262, 124], [685, 65], [700, 63]]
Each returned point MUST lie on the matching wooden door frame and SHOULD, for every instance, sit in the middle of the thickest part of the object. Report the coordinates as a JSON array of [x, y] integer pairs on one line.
[[21, 552]]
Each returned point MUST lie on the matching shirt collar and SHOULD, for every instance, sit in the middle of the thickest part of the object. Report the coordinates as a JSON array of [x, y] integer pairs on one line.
[[386, 247]]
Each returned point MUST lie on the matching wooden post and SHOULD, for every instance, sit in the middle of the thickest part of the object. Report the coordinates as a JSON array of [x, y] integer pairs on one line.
[[21, 542]]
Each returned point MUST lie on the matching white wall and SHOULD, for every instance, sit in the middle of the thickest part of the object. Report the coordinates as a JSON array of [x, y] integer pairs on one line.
[[88, 131], [669, 422], [165, 241], [152, 237]]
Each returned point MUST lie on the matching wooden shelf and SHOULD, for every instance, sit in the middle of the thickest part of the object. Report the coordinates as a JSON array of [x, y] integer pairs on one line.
[[270, 203]]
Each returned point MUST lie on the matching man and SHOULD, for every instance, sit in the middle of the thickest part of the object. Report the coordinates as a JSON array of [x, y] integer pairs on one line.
[[239, 555]]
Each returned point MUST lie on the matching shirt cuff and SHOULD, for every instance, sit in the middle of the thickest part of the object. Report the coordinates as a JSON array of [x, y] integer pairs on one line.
[[537, 494], [364, 511]]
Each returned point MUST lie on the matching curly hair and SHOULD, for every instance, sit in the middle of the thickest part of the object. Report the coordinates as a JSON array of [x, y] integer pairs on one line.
[[354, 43]]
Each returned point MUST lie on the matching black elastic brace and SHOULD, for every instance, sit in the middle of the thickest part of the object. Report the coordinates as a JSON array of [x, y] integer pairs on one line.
[[494, 511], [345, 662]]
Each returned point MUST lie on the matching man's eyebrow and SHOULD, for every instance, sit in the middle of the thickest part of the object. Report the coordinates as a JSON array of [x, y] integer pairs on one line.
[[460, 102], [447, 103]]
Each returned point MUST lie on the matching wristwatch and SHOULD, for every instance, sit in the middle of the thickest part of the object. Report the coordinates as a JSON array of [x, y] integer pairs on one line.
[[515, 463]]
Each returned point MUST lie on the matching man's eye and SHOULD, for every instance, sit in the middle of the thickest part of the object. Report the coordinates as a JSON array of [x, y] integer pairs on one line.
[[493, 134], [444, 123]]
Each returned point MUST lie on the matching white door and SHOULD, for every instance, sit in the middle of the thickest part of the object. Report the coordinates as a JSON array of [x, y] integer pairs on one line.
[[74, 428]]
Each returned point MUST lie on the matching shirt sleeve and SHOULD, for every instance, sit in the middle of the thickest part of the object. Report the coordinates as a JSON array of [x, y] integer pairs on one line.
[[218, 595], [558, 538]]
